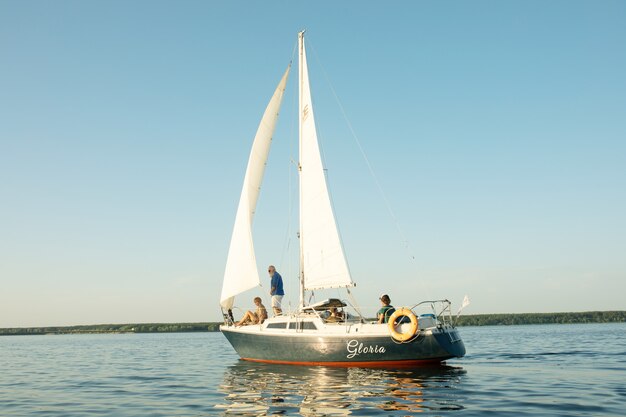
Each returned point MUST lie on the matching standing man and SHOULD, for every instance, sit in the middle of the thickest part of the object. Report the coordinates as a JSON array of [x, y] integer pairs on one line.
[[276, 290]]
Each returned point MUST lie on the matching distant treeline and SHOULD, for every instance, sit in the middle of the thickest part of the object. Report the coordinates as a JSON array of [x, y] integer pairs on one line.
[[542, 318], [470, 320], [115, 328]]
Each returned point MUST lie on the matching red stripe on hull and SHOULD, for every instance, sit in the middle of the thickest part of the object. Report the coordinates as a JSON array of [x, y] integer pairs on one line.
[[362, 364]]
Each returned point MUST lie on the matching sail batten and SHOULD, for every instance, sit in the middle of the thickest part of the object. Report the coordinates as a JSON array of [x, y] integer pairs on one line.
[[241, 272]]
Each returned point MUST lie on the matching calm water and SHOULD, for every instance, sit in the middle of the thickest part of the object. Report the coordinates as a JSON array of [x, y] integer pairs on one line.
[[558, 370]]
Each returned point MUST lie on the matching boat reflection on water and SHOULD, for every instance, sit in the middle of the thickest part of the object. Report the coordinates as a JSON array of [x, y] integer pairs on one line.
[[260, 389]]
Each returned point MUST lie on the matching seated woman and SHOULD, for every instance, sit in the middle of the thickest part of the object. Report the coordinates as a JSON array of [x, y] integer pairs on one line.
[[256, 317]]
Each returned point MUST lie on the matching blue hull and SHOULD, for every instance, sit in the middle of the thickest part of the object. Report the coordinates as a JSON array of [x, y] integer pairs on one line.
[[345, 349]]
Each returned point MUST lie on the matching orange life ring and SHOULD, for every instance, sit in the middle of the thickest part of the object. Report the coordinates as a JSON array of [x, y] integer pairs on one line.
[[404, 336]]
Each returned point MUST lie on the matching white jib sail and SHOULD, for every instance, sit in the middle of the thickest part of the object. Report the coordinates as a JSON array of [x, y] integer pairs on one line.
[[323, 261], [241, 272]]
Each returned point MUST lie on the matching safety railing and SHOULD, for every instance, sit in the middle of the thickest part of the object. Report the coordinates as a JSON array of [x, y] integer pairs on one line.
[[442, 309]]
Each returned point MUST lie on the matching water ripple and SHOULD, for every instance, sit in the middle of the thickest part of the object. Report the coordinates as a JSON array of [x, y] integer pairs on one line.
[[557, 370]]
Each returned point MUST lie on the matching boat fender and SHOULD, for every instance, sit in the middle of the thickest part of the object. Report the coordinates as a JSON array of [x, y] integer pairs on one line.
[[408, 334]]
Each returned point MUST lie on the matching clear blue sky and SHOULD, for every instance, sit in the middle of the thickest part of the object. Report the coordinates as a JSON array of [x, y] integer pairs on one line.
[[497, 130]]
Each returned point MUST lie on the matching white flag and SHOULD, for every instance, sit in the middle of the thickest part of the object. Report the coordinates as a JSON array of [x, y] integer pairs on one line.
[[464, 304]]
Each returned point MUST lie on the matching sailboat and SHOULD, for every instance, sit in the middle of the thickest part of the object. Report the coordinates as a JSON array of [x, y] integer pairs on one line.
[[310, 335]]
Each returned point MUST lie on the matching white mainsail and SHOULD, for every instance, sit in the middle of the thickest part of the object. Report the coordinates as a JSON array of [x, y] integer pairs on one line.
[[323, 263], [241, 272]]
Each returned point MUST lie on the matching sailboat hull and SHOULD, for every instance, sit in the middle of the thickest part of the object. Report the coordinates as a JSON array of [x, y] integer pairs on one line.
[[345, 348]]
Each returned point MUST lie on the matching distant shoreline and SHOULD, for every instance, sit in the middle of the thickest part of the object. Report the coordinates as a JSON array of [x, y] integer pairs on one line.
[[465, 320]]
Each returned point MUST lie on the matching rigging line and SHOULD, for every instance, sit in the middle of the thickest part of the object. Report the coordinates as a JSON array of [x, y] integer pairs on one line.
[[354, 303], [293, 52], [294, 271], [394, 218], [288, 237]]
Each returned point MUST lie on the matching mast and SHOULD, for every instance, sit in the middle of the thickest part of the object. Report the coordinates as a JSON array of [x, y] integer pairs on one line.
[[300, 120]]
